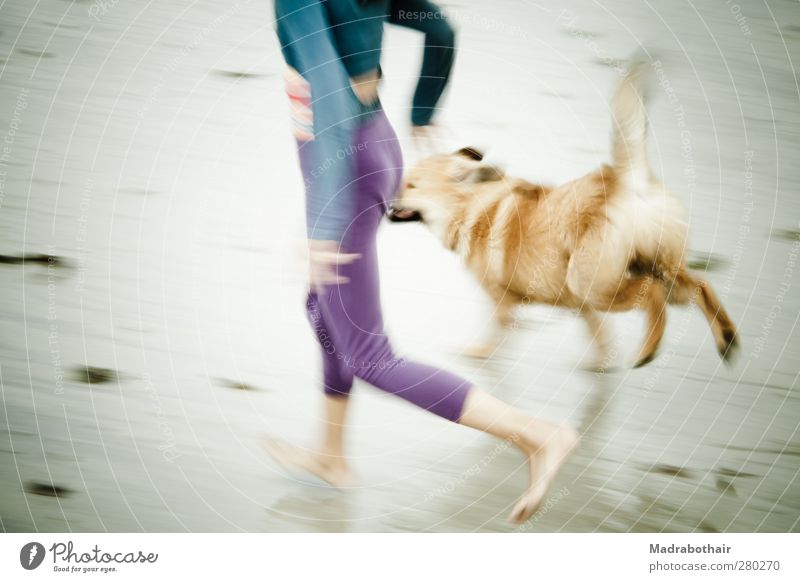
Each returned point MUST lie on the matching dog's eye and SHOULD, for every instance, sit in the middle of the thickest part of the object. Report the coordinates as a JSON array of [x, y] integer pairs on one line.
[[410, 185]]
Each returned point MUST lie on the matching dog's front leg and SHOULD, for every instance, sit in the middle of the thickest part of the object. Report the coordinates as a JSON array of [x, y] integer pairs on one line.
[[602, 358], [505, 302]]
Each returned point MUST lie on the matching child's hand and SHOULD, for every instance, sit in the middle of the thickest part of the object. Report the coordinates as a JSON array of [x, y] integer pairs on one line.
[[324, 257]]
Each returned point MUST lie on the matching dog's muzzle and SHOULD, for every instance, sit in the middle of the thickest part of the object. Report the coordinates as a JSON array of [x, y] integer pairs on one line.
[[404, 215]]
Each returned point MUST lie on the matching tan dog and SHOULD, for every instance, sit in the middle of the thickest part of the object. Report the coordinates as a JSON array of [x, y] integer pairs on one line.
[[613, 240]]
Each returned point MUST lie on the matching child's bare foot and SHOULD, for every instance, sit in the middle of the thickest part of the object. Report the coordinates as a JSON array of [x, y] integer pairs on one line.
[[544, 461], [329, 468]]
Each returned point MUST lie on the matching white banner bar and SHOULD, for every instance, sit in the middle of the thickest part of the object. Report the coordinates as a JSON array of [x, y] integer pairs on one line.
[[401, 557]]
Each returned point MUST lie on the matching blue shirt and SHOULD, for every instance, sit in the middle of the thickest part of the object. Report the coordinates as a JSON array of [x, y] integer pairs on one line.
[[327, 43]]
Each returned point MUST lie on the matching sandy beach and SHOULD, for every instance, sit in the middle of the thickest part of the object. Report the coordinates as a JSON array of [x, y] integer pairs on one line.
[[152, 325]]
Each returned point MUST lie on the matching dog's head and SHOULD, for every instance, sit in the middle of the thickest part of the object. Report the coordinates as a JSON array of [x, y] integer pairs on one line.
[[440, 186]]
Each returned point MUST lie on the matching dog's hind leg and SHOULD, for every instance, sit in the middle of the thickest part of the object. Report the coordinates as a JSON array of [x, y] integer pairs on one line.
[[505, 301], [688, 288], [648, 294], [598, 276], [654, 303]]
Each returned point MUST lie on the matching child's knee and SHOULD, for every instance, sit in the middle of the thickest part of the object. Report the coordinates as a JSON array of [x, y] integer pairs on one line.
[[374, 365]]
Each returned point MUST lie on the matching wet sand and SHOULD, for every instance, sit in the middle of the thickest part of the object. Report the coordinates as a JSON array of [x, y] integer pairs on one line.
[[152, 330]]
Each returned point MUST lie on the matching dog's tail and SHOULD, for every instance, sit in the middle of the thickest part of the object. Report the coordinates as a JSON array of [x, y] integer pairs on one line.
[[629, 127]]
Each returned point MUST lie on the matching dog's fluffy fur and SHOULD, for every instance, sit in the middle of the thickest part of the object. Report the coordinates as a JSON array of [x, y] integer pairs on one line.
[[613, 240]]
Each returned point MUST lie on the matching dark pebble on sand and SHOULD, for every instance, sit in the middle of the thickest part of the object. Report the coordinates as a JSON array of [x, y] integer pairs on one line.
[[238, 74], [94, 375], [40, 259], [725, 486], [706, 527], [36, 53], [731, 473], [790, 234], [46, 489], [670, 470], [233, 384], [705, 262]]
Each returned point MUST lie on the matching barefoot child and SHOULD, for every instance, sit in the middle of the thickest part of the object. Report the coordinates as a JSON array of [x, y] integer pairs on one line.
[[352, 165]]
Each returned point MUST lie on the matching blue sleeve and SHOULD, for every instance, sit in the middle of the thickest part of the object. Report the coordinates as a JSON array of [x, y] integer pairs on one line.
[[437, 60], [308, 46]]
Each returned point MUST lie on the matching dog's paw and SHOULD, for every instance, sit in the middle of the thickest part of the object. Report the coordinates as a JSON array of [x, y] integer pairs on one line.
[[599, 361], [644, 360], [599, 368], [479, 351], [728, 348]]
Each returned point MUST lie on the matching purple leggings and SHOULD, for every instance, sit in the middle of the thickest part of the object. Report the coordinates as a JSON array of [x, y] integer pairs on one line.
[[347, 318]]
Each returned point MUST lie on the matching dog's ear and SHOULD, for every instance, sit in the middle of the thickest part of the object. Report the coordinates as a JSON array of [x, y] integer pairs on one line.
[[484, 174], [471, 153], [480, 173]]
